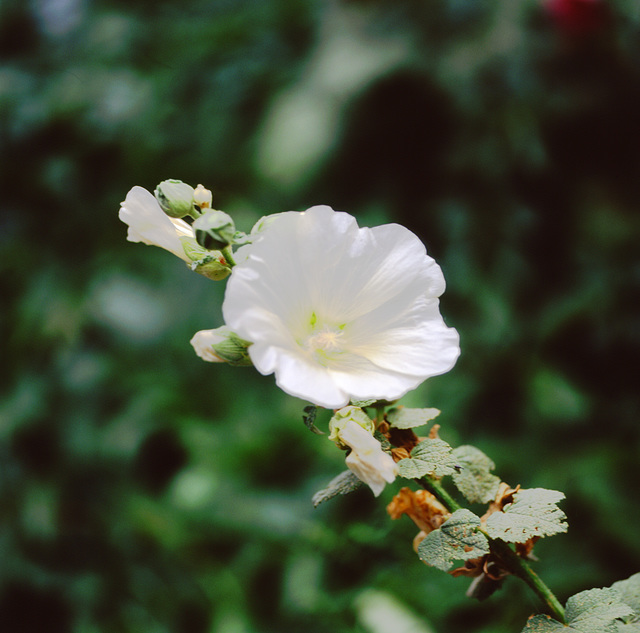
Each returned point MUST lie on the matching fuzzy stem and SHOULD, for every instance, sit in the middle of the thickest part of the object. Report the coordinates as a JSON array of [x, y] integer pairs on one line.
[[228, 255], [516, 565]]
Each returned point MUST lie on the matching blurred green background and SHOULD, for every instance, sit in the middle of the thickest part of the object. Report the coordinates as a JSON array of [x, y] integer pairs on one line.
[[142, 490]]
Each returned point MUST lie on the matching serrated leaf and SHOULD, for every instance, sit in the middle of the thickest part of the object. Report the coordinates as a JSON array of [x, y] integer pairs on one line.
[[458, 538], [309, 418], [596, 611], [403, 418], [629, 591], [431, 457], [343, 484], [546, 624], [533, 513], [474, 479]]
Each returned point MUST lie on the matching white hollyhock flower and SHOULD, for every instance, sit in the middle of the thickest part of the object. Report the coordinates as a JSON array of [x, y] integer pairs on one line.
[[149, 224], [367, 461], [339, 312]]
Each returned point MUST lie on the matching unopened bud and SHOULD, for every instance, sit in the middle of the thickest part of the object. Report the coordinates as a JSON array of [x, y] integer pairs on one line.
[[214, 230], [202, 197], [175, 197], [221, 346], [345, 415], [212, 266]]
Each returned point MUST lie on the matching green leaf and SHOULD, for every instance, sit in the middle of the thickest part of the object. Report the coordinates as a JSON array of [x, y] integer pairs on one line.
[[458, 538], [343, 484], [629, 591], [363, 404], [431, 457], [403, 418], [545, 624], [309, 418], [596, 611], [474, 479], [533, 513]]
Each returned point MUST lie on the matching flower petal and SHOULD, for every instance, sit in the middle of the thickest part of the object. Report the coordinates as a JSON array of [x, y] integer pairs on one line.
[[150, 225]]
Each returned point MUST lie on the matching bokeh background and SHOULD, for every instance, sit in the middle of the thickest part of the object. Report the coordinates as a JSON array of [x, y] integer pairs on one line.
[[142, 490]]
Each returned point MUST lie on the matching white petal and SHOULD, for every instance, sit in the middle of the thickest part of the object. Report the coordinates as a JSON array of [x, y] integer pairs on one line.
[[203, 342], [150, 225]]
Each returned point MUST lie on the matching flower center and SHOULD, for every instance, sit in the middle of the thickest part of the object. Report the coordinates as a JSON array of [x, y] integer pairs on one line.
[[324, 344]]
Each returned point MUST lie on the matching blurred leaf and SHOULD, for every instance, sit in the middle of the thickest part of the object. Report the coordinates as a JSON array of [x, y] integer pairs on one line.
[[343, 484], [474, 479], [403, 418]]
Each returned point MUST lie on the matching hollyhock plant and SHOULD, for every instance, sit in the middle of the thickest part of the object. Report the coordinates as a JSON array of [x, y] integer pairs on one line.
[[346, 314], [338, 312]]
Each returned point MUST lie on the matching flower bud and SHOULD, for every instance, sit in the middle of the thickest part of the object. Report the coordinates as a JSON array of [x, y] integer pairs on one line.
[[345, 415], [221, 346], [212, 267], [175, 197], [214, 230], [202, 197]]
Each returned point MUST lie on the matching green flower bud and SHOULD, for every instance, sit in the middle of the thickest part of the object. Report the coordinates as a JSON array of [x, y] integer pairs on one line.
[[214, 230], [212, 266], [345, 415], [175, 197], [221, 345]]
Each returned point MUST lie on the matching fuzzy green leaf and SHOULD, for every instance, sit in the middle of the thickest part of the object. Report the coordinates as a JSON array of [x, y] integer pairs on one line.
[[533, 513], [546, 624], [343, 484], [596, 611], [629, 592], [403, 418], [458, 538], [431, 457], [474, 479]]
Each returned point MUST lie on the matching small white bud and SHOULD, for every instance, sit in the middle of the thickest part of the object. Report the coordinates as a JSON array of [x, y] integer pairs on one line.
[[221, 346], [202, 197]]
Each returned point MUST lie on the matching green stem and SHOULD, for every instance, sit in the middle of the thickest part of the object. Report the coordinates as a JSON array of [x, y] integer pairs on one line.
[[227, 253], [434, 486], [519, 567], [516, 565]]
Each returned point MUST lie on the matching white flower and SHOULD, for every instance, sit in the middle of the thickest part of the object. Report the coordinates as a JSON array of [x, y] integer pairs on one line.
[[367, 461], [338, 312], [149, 224]]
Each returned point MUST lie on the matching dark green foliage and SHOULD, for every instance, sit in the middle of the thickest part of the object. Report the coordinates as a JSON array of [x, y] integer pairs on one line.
[[142, 489]]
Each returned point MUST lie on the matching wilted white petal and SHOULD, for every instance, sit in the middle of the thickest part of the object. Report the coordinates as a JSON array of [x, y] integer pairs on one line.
[[339, 312], [150, 225], [367, 461]]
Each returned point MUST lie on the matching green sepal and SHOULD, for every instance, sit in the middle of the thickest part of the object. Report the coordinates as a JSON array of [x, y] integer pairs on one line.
[[214, 230]]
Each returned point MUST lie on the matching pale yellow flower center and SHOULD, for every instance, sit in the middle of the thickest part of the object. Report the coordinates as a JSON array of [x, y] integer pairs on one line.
[[324, 343]]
